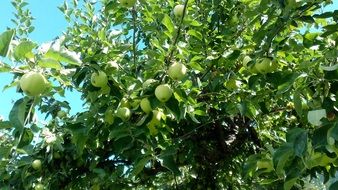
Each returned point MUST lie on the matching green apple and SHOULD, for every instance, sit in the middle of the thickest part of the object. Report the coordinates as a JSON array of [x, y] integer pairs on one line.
[[33, 83], [177, 71], [178, 10], [124, 103], [123, 113], [61, 114], [99, 79], [157, 116], [263, 65], [145, 105], [232, 84], [109, 116], [36, 164], [39, 186], [163, 92], [128, 3]]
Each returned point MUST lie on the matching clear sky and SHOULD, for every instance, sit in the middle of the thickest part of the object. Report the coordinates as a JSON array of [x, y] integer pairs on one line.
[[49, 23]]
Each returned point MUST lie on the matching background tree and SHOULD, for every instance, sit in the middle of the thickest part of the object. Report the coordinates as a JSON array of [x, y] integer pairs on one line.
[[235, 94]]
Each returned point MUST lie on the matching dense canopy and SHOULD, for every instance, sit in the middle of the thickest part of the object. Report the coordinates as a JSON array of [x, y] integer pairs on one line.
[[190, 94]]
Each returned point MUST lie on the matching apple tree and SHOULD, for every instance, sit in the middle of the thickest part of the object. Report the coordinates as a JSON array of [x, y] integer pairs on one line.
[[191, 94]]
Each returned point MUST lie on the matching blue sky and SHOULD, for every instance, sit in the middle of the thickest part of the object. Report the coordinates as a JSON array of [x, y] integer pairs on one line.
[[49, 23]]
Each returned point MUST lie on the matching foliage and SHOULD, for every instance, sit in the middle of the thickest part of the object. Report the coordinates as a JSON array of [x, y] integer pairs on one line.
[[248, 113]]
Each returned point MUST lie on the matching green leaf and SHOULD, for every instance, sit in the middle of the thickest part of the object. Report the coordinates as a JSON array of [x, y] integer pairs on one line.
[[5, 41], [334, 186], [168, 23], [138, 167], [5, 125], [26, 138], [17, 114], [64, 56], [196, 34], [297, 101], [329, 68], [314, 116], [24, 50], [173, 106], [298, 137], [281, 157], [49, 63], [79, 136], [290, 183], [168, 162]]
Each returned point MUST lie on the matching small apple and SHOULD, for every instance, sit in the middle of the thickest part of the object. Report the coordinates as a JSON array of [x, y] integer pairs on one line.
[[263, 65], [95, 187], [33, 83], [123, 113], [157, 115], [145, 105], [178, 10], [39, 186], [177, 71], [163, 92], [61, 114], [232, 84], [128, 3], [99, 79], [36, 164], [124, 103], [109, 116]]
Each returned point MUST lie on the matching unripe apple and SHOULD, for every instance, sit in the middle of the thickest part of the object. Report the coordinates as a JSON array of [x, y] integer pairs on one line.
[[128, 3], [263, 65], [33, 83], [36, 164], [145, 105], [123, 113], [157, 115], [177, 71], [61, 114], [178, 10], [109, 116], [163, 92], [39, 186], [99, 79]]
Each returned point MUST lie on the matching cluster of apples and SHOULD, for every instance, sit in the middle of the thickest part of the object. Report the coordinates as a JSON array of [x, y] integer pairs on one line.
[[163, 93]]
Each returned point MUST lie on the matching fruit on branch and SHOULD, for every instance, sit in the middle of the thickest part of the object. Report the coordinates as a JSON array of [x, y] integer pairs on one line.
[[99, 79], [36, 164], [33, 83], [145, 105], [39, 186], [61, 114], [128, 3], [265, 65], [177, 71], [123, 113], [163, 92], [109, 116], [178, 10]]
